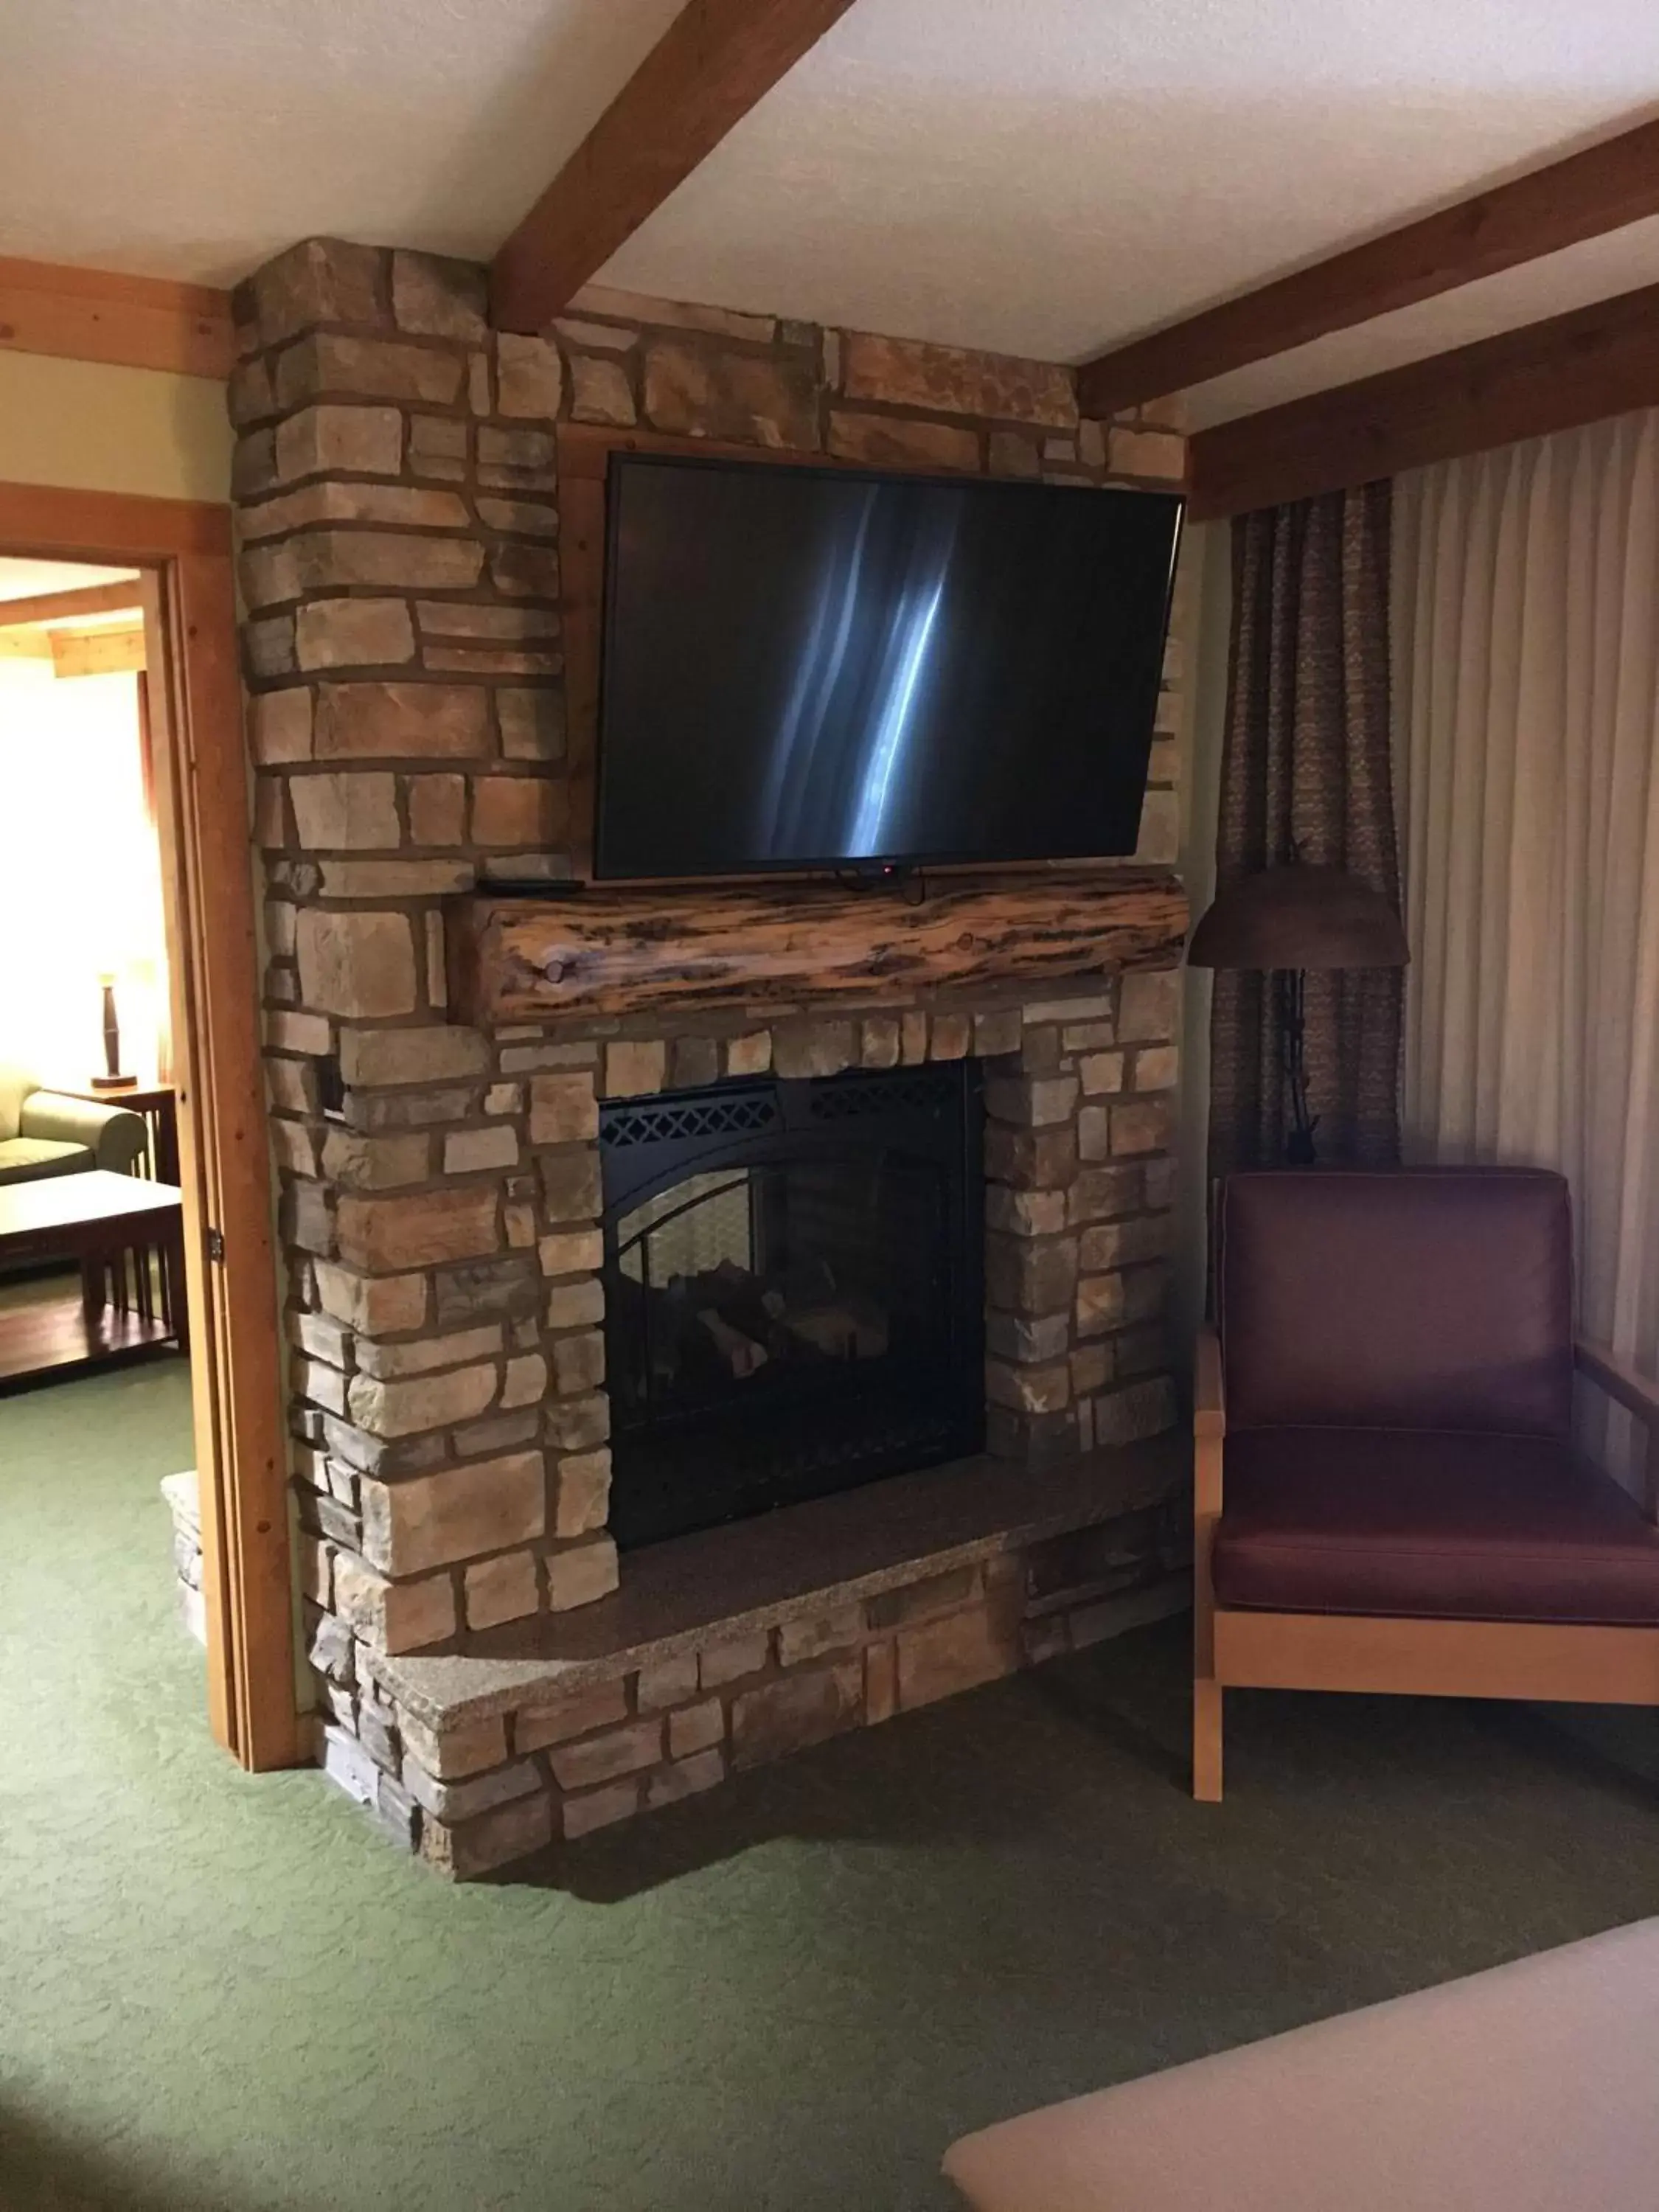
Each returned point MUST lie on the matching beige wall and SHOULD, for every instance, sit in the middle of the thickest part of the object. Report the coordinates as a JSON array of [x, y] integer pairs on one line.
[[92, 427]]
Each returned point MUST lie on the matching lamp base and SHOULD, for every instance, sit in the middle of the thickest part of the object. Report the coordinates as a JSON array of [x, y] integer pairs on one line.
[[113, 1083]]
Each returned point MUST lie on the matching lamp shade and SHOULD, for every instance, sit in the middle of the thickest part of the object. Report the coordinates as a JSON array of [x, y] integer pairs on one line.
[[1299, 917]]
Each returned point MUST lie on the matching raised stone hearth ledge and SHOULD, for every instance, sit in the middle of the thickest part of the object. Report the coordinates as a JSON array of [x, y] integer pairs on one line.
[[780, 1568], [615, 951], [724, 1650]]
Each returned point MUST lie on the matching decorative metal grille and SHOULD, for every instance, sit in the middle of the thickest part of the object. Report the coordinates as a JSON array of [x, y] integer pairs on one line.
[[645, 1124], [928, 1088]]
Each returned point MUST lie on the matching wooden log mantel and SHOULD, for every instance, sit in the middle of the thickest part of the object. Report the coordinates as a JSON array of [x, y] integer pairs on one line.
[[605, 950]]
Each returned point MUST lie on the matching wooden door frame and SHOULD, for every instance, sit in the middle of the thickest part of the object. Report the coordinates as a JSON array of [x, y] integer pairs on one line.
[[183, 550]]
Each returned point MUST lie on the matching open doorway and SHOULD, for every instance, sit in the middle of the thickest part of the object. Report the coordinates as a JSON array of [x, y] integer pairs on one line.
[[135, 1223], [91, 1269]]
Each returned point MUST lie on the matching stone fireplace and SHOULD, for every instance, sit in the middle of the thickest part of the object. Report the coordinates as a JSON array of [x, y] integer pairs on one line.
[[499, 1325]]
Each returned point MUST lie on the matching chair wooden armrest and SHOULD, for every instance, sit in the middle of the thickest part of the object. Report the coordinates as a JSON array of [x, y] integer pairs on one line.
[[1209, 1400], [1635, 1392]]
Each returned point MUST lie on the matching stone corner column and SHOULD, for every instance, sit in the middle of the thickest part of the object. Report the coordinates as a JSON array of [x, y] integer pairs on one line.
[[397, 518]]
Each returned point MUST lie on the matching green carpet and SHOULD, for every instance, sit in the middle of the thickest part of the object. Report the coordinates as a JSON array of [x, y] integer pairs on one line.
[[220, 1994]]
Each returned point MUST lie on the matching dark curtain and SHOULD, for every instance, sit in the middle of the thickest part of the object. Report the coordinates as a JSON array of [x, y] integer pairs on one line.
[[1305, 775]]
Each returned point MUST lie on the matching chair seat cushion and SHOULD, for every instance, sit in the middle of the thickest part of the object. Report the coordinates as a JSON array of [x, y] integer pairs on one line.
[[1426, 1525], [23, 1158]]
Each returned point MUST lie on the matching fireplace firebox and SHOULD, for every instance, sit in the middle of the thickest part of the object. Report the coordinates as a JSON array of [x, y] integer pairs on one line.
[[794, 1291]]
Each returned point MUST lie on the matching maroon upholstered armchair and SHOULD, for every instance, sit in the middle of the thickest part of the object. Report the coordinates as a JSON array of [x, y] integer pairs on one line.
[[1401, 1507]]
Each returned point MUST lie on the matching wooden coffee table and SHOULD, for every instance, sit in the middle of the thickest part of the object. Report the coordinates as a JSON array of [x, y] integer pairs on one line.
[[113, 1226]]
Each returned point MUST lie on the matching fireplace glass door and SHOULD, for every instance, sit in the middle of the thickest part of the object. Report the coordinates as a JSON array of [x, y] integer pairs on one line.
[[793, 1291]]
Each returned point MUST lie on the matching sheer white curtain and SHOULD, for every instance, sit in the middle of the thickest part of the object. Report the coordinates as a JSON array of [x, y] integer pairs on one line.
[[1526, 627]]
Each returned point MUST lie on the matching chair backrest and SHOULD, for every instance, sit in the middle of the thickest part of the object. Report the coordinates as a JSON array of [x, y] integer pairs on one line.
[[14, 1088], [1404, 1298]]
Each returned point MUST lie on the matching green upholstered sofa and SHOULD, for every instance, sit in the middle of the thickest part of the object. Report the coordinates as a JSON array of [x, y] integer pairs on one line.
[[42, 1132]]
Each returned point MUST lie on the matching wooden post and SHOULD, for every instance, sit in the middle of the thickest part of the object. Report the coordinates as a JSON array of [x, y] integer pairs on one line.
[[1209, 1428]]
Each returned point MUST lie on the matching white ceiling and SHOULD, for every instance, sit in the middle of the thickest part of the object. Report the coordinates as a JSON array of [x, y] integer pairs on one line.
[[195, 138], [1041, 176]]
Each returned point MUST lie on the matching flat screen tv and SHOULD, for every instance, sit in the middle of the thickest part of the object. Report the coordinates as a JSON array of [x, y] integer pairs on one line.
[[825, 668]]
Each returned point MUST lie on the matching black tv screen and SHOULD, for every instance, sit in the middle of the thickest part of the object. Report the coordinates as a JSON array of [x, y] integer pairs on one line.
[[813, 667]]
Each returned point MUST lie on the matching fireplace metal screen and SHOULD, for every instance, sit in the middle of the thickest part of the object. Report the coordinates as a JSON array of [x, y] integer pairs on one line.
[[794, 1289]]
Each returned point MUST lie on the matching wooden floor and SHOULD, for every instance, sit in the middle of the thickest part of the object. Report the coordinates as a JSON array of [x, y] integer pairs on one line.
[[43, 1332]]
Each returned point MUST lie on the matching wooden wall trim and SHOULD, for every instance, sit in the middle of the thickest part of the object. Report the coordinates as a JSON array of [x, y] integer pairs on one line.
[[1583, 195], [1594, 362], [133, 322], [236, 1350], [109, 528], [716, 60]]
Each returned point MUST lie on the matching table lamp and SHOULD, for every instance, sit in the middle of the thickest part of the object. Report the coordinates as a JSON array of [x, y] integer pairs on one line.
[[113, 1079], [1288, 920]]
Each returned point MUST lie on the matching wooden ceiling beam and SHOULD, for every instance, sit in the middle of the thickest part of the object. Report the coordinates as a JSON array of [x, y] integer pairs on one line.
[[98, 651], [72, 605], [135, 322], [716, 60], [1597, 362], [1585, 195]]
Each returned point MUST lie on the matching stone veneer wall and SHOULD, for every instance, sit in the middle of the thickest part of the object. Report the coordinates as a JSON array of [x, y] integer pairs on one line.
[[398, 516]]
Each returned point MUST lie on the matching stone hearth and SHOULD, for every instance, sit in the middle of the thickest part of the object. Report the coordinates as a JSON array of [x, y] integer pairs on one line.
[[726, 1650], [714, 1653], [400, 514]]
